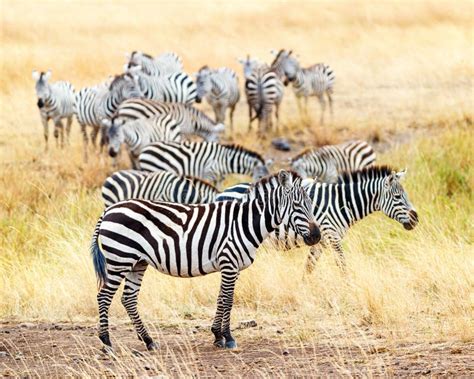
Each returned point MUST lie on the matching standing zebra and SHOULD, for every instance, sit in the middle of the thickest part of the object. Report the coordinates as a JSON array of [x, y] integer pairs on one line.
[[338, 206], [193, 240], [264, 90], [94, 104], [156, 186], [164, 64], [221, 89], [315, 80], [55, 101], [327, 162], [209, 161], [174, 88]]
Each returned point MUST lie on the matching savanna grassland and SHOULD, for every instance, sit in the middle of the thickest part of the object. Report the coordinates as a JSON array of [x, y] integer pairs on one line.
[[404, 306]]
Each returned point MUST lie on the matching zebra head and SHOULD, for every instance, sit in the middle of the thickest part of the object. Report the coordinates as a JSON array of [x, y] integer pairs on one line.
[[43, 89], [294, 210], [115, 134], [262, 170], [394, 201], [249, 65], [203, 83], [290, 67], [126, 86]]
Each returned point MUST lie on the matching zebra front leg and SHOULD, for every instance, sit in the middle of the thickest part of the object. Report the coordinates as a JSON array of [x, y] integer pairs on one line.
[[340, 258], [59, 132], [216, 327], [104, 299], [68, 129], [312, 258], [133, 281], [85, 142], [229, 277], [44, 121], [277, 116], [231, 116], [322, 102], [250, 116], [94, 134]]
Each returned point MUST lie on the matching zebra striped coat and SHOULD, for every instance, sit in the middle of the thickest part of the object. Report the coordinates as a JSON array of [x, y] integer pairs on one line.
[[193, 240], [55, 102], [316, 80], [264, 91], [156, 186], [209, 161], [174, 88], [336, 207], [192, 120], [327, 162], [164, 64], [221, 89], [95, 104]]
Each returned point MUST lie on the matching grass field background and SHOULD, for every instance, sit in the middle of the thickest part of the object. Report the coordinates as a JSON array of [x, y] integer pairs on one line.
[[404, 77]]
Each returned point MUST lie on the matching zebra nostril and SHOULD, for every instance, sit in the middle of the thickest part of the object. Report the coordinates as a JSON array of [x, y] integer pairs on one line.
[[40, 103], [112, 153]]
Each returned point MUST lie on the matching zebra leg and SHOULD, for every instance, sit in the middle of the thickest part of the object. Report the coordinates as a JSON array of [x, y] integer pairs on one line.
[[322, 102], [340, 258], [94, 134], [104, 299], [330, 104], [313, 256], [44, 121], [85, 141], [250, 117], [133, 281], [68, 129], [277, 116], [227, 287], [216, 327], [231, 115], [59, 132]]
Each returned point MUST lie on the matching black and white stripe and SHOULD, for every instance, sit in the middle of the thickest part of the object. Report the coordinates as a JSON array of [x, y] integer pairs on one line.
[[316, 80], [156, 186], [164, 64], [325, 163], [95, 104], [209, 161], [174, 88], [220, 88], [193, 240], [338, 206], [55, 102]]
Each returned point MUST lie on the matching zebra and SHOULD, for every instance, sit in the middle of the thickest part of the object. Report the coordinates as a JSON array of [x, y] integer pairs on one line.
[[174, 88], [264, 90], [156, 186], [164, 64], [192, 120], [221, 89], [193, 240], [55, 101], [96, 104], [327, 162], [338, 206], [315, 80], [205, 160]]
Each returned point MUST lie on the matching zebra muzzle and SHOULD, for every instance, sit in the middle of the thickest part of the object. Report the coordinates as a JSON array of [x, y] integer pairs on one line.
[[112, 153], [40, 103], [413, 216], [314, 235]]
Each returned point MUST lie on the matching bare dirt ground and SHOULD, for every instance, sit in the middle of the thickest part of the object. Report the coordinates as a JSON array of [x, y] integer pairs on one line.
[[45, 350]]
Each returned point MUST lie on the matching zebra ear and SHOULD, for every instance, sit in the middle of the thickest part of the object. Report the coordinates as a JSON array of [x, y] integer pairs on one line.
[[106, 122], [36, 75], [240, 60], [128, 56], [134, 69], [274, 52], [47, 75], [269, 162], [284, 178], [401, 175]]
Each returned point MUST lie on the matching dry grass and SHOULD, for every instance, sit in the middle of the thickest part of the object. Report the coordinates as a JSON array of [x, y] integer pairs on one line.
[[398, 69]]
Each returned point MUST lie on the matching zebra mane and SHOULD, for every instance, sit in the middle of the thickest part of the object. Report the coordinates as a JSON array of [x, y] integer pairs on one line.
[[143, 54], [372, 172], [195, 179], [303, 153], [240, 148], [268, 179], [277, 57], [117, 79]]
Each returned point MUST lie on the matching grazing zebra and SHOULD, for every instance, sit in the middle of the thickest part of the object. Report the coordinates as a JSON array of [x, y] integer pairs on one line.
[[264, 91], [221, 89], [55, 101], [315, 80], [156, 186], [139, 133], [174, 88], [193, 240], [163, 64], [206, 160], [338, 206], [95, 104], [327, 162]]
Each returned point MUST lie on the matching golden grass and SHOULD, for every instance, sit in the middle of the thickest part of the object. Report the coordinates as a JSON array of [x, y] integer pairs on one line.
[[398, 69]]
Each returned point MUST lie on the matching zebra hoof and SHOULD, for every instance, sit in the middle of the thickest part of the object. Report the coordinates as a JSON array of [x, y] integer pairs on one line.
[[220, 343], [152, 346], [231, 344], [108, 350]]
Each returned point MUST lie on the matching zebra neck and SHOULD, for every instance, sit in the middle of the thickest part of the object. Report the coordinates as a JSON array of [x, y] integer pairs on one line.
[[299, 78], [132, 138], [359, 199]]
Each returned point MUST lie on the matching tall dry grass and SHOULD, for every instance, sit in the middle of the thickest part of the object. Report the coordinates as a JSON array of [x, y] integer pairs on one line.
[[397, 66]]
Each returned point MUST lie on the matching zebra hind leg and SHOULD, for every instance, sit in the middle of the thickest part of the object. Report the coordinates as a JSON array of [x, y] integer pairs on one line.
[[216, 328], [68, 129], [313, 257], [104, 299], [133, 281], [322, 102]]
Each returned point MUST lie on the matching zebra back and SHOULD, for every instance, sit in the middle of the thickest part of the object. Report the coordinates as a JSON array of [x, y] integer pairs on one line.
[[175, 88]]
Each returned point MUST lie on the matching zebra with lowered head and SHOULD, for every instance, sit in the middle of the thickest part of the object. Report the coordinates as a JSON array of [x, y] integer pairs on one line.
[[316, 80], [338, 206], [193, 240], [55, 102], [220, 87], [164, 64], [209, 161], [96, 104], [325, 163], [156, 186]]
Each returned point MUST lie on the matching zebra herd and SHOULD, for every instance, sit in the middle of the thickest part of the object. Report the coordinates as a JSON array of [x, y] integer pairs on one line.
[[170, 211]]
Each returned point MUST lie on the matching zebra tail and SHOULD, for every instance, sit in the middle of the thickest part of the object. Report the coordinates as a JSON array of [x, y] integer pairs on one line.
[[98, 257]]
